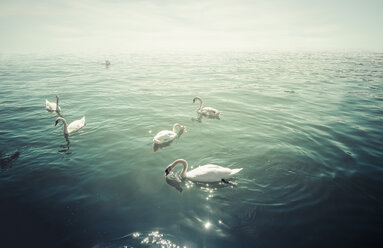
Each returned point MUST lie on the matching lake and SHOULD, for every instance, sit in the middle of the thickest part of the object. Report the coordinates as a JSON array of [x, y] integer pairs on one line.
[[305, 127]]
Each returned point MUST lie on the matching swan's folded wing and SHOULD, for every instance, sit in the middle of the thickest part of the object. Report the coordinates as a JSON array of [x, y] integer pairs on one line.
[[77, 124], [209, 173], [235, 171], [48, 104], [216, 168], [212, 166], [164, 136], [209, 111]]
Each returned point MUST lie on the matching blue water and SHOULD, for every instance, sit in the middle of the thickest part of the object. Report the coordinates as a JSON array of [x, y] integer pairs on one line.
[[305, 127]]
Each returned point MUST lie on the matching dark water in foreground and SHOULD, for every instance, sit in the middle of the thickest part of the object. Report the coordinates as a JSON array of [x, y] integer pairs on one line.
[[306, 128]]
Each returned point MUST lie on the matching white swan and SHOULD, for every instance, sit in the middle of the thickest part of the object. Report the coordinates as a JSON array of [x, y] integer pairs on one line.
[[73, 126], [205, 173], [166, 136], [51, 106], [206, 110]]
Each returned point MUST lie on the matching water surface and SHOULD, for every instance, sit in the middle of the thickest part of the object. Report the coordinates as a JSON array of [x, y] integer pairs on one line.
[[306, 128]]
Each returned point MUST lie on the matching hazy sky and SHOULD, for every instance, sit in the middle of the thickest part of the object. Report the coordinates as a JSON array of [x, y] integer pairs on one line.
[[133, 25]]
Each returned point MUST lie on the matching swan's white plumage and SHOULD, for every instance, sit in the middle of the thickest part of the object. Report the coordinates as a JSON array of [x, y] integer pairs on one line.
[[211, 173], [51, 106], [73, 126], [164, 136], [76, 125], [205, 173], [209, 111]]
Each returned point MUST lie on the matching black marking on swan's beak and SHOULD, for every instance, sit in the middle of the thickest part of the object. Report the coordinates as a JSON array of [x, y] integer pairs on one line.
[[167, 172], [56, 123], [193, 100]]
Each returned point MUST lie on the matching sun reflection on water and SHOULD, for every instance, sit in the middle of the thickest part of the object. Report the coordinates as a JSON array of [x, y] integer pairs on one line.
[[207, 225]]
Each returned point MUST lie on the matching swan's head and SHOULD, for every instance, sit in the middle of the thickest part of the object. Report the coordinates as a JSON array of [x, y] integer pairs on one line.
[[58, 120], [171, 166], [182, 128], [167, 171], [196, 98]]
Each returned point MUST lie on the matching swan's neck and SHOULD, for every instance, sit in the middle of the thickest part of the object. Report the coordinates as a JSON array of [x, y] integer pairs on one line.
[[175, 127], [200, 103], [57, 103], [65, 126], [185, 164], [184, 170]]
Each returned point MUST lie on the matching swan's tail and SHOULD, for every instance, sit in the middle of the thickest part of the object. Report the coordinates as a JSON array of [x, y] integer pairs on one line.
[[83, 120], [235, 171]]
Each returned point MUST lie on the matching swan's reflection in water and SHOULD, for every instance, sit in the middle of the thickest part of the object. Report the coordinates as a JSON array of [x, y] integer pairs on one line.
[[66, 147], [202, 116], [6, 162], [174, 183], [66, 136], [160, 146]]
